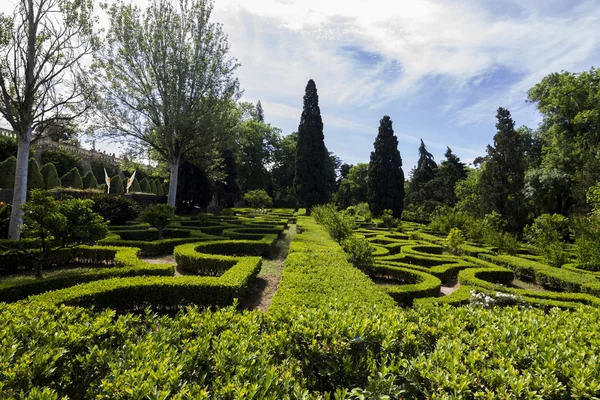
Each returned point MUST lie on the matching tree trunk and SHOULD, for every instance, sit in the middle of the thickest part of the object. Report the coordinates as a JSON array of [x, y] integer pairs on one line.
[[173, 181], [20, 189]]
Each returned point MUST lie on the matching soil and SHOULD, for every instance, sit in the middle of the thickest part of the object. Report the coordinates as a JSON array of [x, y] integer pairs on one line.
[[449, 287]]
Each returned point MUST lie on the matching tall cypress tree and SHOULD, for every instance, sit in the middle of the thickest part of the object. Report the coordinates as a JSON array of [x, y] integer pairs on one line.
[[312, 158], [386, 178], [503, 175], [420, 191]]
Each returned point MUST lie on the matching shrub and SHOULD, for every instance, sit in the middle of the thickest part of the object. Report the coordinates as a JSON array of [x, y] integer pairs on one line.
[[7, 177], [89, 181], [117, 210], [58, 224], [145, 186], [227, 212], [444, 219], [4, 219], [153, 188], [159, 188], [587, 242], [35, 180], [360, 252], [135, 186], [72, 179], [350, 211], [336, 223], [388, 219], [158, 216], [547, 235], [51, 179], [454, 240], [258, 199], [116, 186]]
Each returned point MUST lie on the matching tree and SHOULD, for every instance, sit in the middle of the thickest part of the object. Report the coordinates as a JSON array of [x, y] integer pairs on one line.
[[385, 177], [258, 199], [311, 175], [450, 172], [51, 179], [41, 46], [164, 79], [358, 178], [283, 169], [89, 181], [35, 180], [259, 114], [227, 190], [158, 216], [72, 179], [194, 190], [503, 178], [420, 191], [55, 225], [255, 144]]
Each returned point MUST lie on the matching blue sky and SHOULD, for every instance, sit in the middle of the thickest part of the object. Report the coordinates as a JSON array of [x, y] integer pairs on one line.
[[440, 69]]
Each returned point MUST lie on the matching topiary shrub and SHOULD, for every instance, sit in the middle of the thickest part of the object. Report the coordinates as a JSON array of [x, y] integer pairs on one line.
[[135, 186], [51, 179], [35, 180], [4, 219], [7, 177], [72, 179], [388, 219], [117, 210], [145, 186], [153, 188], [89, 181], [116, 185], [62, 160], [158, 216], [159, 189]]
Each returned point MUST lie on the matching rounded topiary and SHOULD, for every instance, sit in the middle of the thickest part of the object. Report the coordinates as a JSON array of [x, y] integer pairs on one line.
[[51, 179], [72, 179], [145, 186], [35, 180], [153, 189], [135, 186], [159, 188], [7, 177], [116, 185], [89, 181]]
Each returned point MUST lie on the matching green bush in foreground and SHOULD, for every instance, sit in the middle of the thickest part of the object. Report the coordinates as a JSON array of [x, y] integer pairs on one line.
[[332, 352]]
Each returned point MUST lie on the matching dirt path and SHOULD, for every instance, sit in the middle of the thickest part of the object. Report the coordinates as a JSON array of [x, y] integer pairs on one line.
[[449, 287], [261, 292]]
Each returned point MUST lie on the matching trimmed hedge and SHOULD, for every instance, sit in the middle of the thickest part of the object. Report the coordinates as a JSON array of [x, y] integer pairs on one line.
[[155, 247], [51, 179], [7, 177], [317, 272], [420, 284], [72, 179], [239, 247], [35, 180], [89, 181]]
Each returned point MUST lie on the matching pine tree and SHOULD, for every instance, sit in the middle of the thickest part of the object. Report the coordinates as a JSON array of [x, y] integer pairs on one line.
[[89, 181], [35, 180], [420, 193], [312, 158], [145, 186], [450, 172], [386, 178], [503, 176], [116, 185], [259, 114], [72, 179], [51, 179]]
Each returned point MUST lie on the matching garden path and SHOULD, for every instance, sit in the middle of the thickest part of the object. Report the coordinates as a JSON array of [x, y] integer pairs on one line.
[[449, 287]]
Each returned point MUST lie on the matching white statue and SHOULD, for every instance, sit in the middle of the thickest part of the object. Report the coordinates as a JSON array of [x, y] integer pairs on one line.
[[130, 182], [107, 179]]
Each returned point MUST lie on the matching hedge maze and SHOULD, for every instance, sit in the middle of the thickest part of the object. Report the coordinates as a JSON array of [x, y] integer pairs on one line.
[[216, 260]]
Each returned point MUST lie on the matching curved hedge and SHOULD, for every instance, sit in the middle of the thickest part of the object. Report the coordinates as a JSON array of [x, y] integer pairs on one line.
[[420, 284]]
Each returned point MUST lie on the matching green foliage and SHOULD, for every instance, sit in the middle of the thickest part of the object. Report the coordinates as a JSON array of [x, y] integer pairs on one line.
[[454, 240], [258, 199], [51, 179], [117, 210], [388, 219], [135, 186], [587, 242], [421, 190], [547, 234], [153, 188], [72, 179], [4, 219], [35, 180], [158, 216], [159, 188], [385, 177], [337, 224], [116, 186], [360, 252], [415, 213], [7, 177], [145, 186], [89, 181], [310, 180], [8, 147], [63, 161], [58, 224]]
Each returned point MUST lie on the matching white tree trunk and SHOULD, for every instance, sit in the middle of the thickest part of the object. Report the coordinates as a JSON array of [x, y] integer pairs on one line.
[[20, 189], [173, 181]]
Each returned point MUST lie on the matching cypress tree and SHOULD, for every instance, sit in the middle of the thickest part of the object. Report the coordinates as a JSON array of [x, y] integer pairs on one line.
[[503, 178], [116, 185], [7, 176], [135, 186], [259, 114], [35, 180], [145, 186], [72, 179], [420, 192], [312, 157], [386, 178], [89, 181], [51, 179]]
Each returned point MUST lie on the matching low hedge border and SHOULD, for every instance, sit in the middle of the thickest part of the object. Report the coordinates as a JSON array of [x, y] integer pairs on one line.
[[421, 284], [159, 292], [444, 272], [317, 271], [125, 260], [252, 233], [156, 247], [239, 247]]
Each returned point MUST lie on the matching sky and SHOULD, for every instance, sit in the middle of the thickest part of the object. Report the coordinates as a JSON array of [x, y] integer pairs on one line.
[[438, 68]]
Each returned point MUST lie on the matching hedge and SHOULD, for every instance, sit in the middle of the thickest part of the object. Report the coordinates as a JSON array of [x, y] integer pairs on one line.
[[7, 177], [155, 247], [239, 247], [89, 181], [253, 233], [125, 260], [72, 179], [51, 179], [419, 284], [317, 271], [35, 180]]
